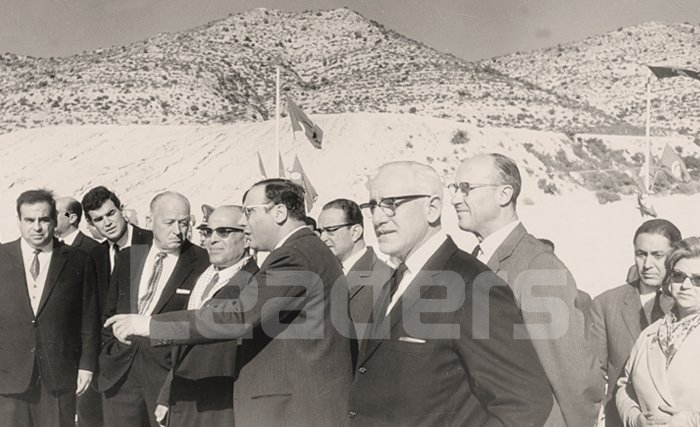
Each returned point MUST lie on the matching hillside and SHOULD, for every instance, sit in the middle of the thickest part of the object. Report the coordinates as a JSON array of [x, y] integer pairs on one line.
[[332, 61], [608, 72]]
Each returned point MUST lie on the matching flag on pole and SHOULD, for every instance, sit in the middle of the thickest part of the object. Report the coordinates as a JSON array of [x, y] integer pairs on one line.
[[672, 162], [299, 176], [313, 133], [281, 165], [261, 166], [644, 205], [665, 72]]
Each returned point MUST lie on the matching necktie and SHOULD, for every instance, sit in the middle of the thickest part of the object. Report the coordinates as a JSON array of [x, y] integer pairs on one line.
[[113, 260], [476, 251], [145, 301], [656, 311], [209, 287], [35, 267], [396, 279]]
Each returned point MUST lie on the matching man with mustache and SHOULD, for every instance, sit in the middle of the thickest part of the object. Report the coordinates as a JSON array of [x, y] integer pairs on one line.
[[147, 280]]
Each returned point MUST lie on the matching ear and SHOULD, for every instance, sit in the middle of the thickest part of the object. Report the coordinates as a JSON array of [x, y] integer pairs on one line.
[[356, 232], [73, 219], [434, 208], [505, 196], [149, 222], [281, 213]]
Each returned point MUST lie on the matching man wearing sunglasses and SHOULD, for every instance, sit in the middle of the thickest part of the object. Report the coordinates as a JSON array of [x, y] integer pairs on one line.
[[342, 230], [485, 195], [442, 350], [295, 355], [199, 387]]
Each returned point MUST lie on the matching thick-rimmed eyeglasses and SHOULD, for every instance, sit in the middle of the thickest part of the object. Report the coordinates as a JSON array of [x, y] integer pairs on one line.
[[466, 187], [679, 277], [389, 205], [333, 228], [221, 232], [248, 210]]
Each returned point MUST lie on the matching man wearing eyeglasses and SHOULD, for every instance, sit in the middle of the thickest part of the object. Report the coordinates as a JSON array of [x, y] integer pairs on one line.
[[147, 280], [295, 357], [199, 388], [342, 230], [69, 214], [485, 195], [442, 350]]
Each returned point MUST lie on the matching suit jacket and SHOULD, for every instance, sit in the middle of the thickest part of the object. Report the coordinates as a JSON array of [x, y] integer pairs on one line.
[[295, 365], [365, 280], [84, 243], [115, 357], [569, 360], [456, 364], [63, 336], [103, 262], [646, 383], [617, 320]]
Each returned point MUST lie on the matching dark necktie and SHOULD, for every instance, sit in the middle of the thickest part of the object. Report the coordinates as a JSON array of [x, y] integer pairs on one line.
[[656, 311], [380, 309], [35, 267], [145, 301], [476, 251], [209, 287], [396, 279]]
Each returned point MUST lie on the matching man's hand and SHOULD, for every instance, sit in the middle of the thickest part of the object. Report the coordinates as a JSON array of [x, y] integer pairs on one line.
[[648, 419], [681, 418], [161, 412], [84, 378], [126, 325]]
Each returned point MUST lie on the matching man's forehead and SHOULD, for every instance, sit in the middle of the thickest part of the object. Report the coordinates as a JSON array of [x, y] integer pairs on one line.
[[224, 218], [393, 182], [41, 208], [331, 214], [476, 168]]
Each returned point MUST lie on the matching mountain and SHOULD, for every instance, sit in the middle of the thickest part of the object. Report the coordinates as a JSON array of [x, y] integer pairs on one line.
[[609, 73], [331, 61]]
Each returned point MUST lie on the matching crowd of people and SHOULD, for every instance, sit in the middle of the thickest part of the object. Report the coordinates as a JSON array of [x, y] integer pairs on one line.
[[278, 319]]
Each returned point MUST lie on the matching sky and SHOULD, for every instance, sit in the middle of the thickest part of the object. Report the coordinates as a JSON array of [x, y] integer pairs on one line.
[[470, 29]]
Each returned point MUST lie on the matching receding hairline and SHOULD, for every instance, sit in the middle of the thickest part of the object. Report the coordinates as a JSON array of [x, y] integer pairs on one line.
[[422, 176], [160, 197]]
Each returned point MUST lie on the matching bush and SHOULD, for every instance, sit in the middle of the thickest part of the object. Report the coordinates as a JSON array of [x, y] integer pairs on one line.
[[547, 187], [412, 110], [605, 196], [460, 137]]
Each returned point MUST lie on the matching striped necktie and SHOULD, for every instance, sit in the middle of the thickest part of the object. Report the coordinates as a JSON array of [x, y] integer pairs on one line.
[[145, 301], [35, 267]]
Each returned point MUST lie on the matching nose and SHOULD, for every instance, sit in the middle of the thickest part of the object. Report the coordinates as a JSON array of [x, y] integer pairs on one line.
[[648, 262], [36, 225], [456, 198], [686, 284]]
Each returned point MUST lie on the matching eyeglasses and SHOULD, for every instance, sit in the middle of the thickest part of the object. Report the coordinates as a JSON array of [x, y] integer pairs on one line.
[[466, 187], [221, 232], [248, 210], [388, 205], [679, 277], [333, 228]]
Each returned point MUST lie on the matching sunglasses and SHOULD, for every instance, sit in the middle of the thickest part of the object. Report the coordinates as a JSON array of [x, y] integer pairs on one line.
[[679, 277], [221, 232], [466, 187], [390, 204], [333, 228]]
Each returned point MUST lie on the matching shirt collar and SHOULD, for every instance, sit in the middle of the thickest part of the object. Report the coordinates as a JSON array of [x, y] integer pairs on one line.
[[26, 249], [352, 259], [417, 259], [68, 239], [285, 238], [491, 243]]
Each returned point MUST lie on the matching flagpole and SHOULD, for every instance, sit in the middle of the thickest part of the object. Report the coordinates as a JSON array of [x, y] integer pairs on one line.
[[648, 137], [277, 120]]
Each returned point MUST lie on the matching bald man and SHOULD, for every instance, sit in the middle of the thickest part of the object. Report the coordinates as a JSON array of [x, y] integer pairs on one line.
[[147, 279], [70, 212], [442, 351]]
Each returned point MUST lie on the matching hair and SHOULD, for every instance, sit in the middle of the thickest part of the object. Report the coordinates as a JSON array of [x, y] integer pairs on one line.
[[351, 210], [41, 195], [96, 197], [74, 207], [661, 227], [686, 248], [159, 196], [284, 192], [509, 173], [310, 222]]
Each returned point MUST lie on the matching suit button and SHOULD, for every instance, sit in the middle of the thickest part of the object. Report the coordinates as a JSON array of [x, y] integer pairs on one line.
[[362, 369], [352, 414], [34, 323], [31, 351]]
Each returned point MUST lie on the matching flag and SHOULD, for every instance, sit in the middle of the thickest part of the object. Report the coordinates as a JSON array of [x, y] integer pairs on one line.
[[299, 176], [665, 72], [644, 205], [313, 133], [261, 166], [672, 162], [281, 170]]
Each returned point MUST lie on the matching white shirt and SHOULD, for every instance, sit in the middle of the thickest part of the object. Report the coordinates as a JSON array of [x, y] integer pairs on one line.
[[349, 263], [285, 238], [168, 266], [415, 263], [68, 239], [113, 253], [490, 244], [35, 287], [197, 298]]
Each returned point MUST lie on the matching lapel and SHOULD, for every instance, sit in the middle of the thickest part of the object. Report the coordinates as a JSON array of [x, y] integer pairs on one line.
[[135, 256], [363, 268], [20, 278], [506, 249], [78, 239], [183, 268], [58, 261], [410, 297], [656, 364], [632, 312]]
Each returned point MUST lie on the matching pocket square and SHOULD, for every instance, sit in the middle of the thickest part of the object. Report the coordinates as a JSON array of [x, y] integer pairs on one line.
[[183, 291], [412, 340]]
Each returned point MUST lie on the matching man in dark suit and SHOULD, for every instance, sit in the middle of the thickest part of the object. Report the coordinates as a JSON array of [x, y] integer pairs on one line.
[[148, 280], [103, 211], [68, 220], [342, 230], [442, 351], [49, 326], [486, 190], [199, 388], [295, 359], [620, 314]]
